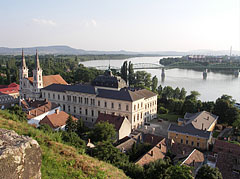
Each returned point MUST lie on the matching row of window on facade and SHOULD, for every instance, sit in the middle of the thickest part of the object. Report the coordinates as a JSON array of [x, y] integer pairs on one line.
[[147, 106], [188, 142], [8, 98], [84, 100], [82, 111]]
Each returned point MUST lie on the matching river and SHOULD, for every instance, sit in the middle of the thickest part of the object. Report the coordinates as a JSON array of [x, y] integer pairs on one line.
[[210, 89]]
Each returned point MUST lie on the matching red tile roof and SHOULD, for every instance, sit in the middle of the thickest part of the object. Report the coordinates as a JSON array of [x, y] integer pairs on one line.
[[152, 139], [222, 146], [157, 152], [228, 159], [111, 119], [47, 106], [195, 159], [51, 79], [9, 89], [56, 120]]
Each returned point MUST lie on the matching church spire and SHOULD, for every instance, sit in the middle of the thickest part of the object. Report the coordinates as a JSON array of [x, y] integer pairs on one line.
[[37, 60], [23, 61]]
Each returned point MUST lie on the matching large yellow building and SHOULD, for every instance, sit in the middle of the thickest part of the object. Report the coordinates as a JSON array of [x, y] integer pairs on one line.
[[194, 129]]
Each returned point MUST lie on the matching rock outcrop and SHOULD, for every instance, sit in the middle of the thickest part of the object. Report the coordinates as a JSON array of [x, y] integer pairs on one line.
[[20, 156]]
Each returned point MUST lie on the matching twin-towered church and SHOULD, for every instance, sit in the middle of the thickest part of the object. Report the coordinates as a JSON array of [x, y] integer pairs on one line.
[[30, 86]]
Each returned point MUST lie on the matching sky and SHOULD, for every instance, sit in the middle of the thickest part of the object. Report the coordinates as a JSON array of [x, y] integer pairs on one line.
[[133, 25]]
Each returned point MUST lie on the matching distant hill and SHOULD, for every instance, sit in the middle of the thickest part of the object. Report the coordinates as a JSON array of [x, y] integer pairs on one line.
[[66, 50]]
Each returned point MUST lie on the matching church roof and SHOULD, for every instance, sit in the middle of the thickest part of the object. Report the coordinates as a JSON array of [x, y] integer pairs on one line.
[[50, 79]]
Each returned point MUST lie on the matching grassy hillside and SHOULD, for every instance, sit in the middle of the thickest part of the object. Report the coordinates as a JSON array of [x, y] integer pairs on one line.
[[60, 160]]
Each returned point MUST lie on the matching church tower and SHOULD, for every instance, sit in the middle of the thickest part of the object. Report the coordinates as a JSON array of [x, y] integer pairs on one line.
[[37, 77], [23, 73]]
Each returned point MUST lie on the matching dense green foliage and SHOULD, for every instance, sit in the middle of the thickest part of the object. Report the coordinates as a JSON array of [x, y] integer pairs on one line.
[[67, 66], [175, 101], [103, 131], [207, 172], [184, 62], [138, 79]]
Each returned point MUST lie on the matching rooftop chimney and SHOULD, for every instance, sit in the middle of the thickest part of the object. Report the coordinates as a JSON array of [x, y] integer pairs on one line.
[[29, 112], [35, 112], [183, 152], [57, 111], [151, 152], [160, 146]]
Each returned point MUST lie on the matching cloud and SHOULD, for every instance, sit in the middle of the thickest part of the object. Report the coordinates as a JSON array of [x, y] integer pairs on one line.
[[94, 23], [90, 23], [44, 22]]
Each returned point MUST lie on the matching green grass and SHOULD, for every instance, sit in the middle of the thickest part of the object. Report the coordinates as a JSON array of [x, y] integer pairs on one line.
[[59, 160], [169, 117]]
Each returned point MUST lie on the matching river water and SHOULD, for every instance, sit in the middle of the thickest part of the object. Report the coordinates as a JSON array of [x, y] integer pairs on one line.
[[210, 89]]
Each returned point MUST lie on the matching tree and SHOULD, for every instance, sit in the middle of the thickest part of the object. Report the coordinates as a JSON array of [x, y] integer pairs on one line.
[[73, 139], [167, 92], [193, 96], [143, 79], [160, 90], [183, 93], [103, 131], [179, 171], [107, 152], [208, 106], [189, 106], [131, 74], [207, 172], [154, 84], [176, 94], [124, 71], [80, 128], [225, 109], [156, 169], [71, 125]]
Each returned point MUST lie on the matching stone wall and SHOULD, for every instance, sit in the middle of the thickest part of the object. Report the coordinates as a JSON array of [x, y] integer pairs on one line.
[[20, 156]]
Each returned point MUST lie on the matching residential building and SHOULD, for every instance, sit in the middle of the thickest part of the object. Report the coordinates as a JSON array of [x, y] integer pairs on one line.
[[36, 110], [194, 129], [227, 158], [194, 160], [157, 152], [88, 101], [30, 86], [120, 123], [56, 120], [182, 153], [9, 95]]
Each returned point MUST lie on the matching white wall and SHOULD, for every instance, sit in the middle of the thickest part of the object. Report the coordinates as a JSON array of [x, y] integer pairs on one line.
[[125, 129], [37, 119]]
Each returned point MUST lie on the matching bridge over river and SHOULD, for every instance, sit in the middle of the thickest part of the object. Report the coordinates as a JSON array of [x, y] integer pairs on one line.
[[142, 66]]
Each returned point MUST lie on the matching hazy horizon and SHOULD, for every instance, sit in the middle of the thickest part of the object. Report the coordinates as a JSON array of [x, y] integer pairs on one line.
[[137, 25]]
